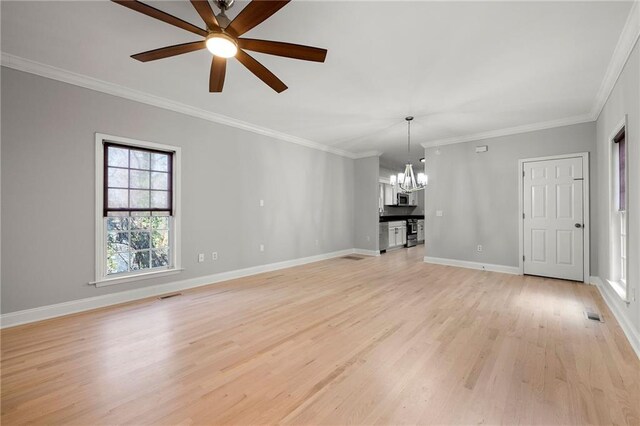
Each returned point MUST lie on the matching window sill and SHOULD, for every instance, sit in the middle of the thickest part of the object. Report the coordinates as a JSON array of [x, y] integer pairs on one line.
[[135, 277], [619, 288]]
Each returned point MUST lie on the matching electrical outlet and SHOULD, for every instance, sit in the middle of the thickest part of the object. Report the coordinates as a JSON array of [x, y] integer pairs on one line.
[[261, 203], [479, 247], [439, 213], [317, 243], [214, 255], [368, 238], [201, 257], [261, 247]]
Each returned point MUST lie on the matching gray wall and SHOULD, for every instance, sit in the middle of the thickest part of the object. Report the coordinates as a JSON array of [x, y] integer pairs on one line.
[[366, 203], [624, 99], [478, 193], [48, 191]]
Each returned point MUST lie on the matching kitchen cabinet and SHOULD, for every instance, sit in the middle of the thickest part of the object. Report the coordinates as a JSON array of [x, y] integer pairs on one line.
[[389, 194], [386, 195], [397, 234], [413, 198]]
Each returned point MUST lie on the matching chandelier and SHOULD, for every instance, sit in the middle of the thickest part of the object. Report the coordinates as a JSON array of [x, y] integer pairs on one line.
[[407, 181]]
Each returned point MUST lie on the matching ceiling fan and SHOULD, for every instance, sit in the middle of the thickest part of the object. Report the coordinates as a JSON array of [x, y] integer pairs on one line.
[[222, 39]]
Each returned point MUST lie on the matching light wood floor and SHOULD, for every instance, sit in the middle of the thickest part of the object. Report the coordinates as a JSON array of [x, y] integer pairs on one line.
[[387, 340]]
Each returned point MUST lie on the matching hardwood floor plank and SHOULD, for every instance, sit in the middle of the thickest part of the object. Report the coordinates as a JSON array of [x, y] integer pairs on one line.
[[383, 340]]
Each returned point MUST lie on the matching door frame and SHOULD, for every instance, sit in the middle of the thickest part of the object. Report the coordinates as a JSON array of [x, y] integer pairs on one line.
[[586, 241]]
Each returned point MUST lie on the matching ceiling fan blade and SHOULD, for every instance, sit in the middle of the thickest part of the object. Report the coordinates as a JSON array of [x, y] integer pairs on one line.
[[253, 14], [260, 71], [288, 50], [206, 13], [166, 52], [217, 74], [160, 15]]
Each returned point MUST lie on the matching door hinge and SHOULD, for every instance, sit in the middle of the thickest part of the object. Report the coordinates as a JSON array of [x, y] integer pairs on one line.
[[523, 258], [523, 215], [523, 175]]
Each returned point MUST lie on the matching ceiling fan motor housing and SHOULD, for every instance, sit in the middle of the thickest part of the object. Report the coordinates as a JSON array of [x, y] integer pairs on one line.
[[224, 4]]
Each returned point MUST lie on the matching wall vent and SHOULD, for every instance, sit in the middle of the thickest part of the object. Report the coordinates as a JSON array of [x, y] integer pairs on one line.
[[168, 296], [593, 316]]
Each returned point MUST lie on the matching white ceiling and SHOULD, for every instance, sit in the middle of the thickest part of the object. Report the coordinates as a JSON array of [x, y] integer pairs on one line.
[[460, 67]]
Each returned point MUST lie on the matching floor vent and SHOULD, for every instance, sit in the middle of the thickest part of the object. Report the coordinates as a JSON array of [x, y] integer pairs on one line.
[[351, 257], [593, 316], [168, 296]]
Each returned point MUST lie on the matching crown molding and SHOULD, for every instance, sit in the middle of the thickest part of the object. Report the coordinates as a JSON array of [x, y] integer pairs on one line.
[[578, 119], [65, 76], [628, 38], [366, 154]]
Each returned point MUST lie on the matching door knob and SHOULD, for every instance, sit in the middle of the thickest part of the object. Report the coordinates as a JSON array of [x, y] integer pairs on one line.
[[578, 225]]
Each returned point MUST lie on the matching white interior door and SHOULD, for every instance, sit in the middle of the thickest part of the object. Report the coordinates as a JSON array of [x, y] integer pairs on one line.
[[553, 218]]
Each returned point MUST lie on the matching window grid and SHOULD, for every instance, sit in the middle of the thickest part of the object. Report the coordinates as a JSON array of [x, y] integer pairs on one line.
[[159, 199], [619, 206], [137, 243]]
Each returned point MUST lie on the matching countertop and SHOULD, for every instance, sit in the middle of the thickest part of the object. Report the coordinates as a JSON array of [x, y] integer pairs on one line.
[[405, 217]]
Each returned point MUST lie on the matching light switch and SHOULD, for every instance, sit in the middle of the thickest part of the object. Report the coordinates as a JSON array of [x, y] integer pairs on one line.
[[439, 213], [261, 203]]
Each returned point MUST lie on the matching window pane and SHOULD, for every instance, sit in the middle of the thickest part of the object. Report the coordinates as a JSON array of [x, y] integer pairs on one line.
[[118, 157], [118, 198], [117, 224], [117, 241], [160, 222], [622, 160], [159, 199], [139, 179], [139, 240], [139, 199], [118, 178], [118, 262], [142, 222], [159, 258], [140, 260], [139, 160], [160, 239], [160, 162], [159, 180]]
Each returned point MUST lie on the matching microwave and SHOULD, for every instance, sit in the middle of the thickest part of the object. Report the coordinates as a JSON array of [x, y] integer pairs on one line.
[[403, 199]]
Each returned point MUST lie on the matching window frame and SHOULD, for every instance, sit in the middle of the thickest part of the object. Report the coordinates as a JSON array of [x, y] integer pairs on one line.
[[618, 218], [101, 277]]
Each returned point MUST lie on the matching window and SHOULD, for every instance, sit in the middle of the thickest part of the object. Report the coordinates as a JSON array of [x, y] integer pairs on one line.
[[619, 224], [137, 228]]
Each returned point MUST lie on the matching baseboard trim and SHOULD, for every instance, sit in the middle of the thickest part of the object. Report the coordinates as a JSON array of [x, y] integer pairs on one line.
[[75, 306], [366, 252], [609, 296], [473, 265]]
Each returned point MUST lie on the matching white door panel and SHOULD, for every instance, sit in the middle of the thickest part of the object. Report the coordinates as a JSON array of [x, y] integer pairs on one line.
[[553, 206]]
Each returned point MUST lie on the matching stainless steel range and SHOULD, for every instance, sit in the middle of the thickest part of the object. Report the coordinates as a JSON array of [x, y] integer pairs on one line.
[[412, 232]]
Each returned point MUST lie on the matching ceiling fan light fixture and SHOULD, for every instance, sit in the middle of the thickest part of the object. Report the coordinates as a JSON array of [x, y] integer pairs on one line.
[[222, 45]]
